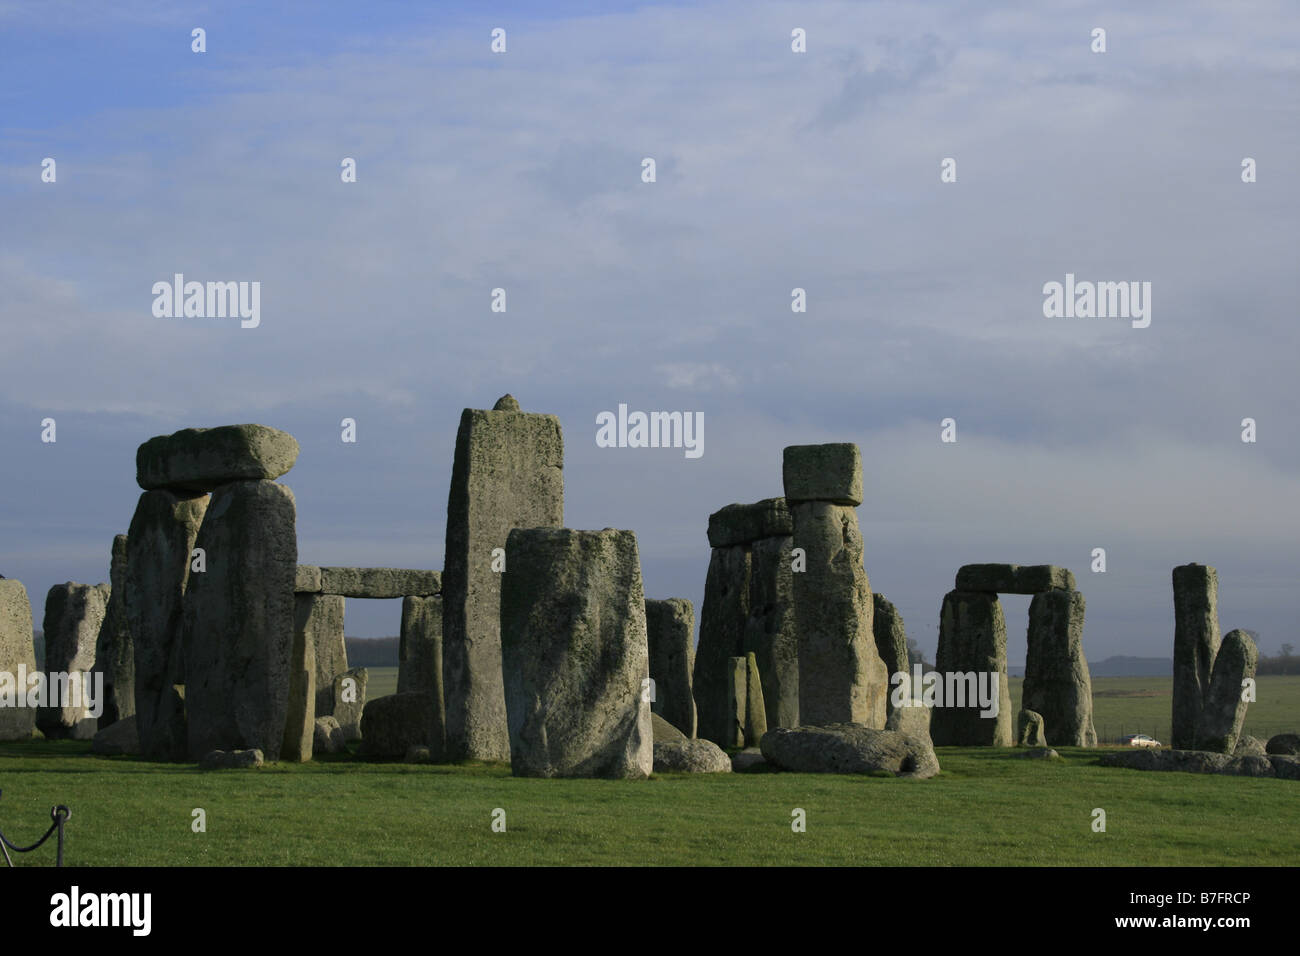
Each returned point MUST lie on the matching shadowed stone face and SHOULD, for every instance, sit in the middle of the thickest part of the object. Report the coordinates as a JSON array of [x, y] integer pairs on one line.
[[115, 651], [1225, 710], [507, 473], [1013, 578], [419, 668], [574, 655], [770, 628], [972, 640], [1057, 682], [670, 633], [1196, 642], [891, 639], [162, 535], [722, 636], [196, 460], [74, 614]]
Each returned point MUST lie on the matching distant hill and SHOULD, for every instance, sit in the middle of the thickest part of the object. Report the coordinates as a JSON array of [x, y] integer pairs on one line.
[[1118, 666], [372, 651]]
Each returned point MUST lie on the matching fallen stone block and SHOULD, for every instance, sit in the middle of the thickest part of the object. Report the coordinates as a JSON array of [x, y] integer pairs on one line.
[[392, 725], [1286, 744], [231, 760], [690, 756], [327, 737], [849, 748], [117, 738]]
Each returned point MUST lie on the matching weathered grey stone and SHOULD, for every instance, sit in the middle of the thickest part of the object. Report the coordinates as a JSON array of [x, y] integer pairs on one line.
[[231, 759], [327, 737], [1285, 767], [1029, 729], [912, 720], [1283, 744], [742, 524], [1014, 578], [1187, 761], [506, 403], [663, 731], [350, 700], [201, 459], [737, 703], [831, 472], [891, 640], [114, 649], [842, 678], [1248, 746], [722, 637], [507, 473], [392, 725], [1224, 710], [300, 717], [321, 617], [1038, 753], [380, 582], [158, 548], [690, 756], [574, 655], [117, 738], [972, 640], [74, 613], [770, 628], [1249, 765], [1196, 643], [1057, 682], [307, 579], [670, 634], [849, 748], [420, 663], [755, 712], [239, 621], [17, 658], [749, 760]]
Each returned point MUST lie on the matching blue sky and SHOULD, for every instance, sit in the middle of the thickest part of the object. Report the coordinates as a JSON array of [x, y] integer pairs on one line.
[[775, 170]]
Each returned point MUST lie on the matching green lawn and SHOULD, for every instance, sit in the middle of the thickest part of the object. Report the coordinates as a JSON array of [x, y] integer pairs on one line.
[[985, 808]]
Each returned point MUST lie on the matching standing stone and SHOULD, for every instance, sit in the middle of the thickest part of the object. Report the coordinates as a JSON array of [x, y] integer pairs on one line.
[[1196, 642], [239, 621], [1057, 683], [670, 634], [574, 655], [324, 622], [114, 652], [1225, 710], [300, 718], [891, 640], [842, 678], [755, 712], [737, 702], [158, 546], [770, 628], [722, 637], [507, 473], [972, 641], [74, 613], [350, 701], [1029, 729], [17, 658], [420, 664]]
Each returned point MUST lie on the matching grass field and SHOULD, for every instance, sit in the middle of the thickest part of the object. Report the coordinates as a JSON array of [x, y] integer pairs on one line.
[[986, 808]]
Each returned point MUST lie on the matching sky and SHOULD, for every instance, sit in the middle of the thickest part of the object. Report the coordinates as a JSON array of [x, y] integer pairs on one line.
[[775, 170]]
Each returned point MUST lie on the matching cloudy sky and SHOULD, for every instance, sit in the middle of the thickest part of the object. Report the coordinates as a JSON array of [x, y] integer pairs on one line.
[[775, 170]]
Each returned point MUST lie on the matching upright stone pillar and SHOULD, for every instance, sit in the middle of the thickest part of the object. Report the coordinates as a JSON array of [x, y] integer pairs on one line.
[[770, 632], [1057, 683], [300, 717], [114, 650], [755, 711], [239, 621], [322, 615], [575, 655], [17, 658], [670, 632], [420, 664], [158, 547], [842, 678], [1196, 642], [507, 473], [737, 702], [1225, 704], [74, 613], [891, 642], [972, 643], [722, 636]]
